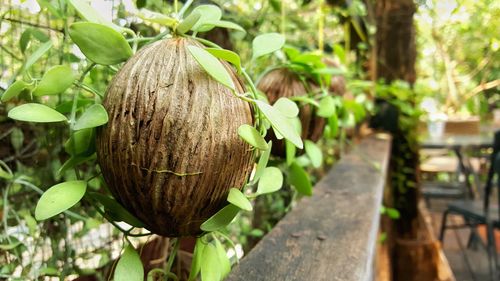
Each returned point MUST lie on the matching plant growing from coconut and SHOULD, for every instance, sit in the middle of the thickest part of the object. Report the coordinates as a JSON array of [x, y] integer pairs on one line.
[[176, 134]]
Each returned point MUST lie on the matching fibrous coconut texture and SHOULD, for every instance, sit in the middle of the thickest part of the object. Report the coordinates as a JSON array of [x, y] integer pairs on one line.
[[283, 82], [171, 152]]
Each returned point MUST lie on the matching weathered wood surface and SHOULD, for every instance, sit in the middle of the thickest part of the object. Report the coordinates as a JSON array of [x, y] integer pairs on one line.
[[332, 235]]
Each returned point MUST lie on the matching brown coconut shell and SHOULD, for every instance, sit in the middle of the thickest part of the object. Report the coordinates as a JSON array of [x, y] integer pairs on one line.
[[282, 82], [170, 151]]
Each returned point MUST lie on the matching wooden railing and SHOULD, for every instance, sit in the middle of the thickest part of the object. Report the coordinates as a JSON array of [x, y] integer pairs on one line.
[[333, 234]]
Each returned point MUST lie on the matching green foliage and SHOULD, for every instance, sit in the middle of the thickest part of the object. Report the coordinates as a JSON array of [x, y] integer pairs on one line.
[[212, 66], [59, 198], [129, 267], [100, 43], [34, 112]]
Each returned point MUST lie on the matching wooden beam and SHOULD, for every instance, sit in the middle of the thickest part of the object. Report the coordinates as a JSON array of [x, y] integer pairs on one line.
[[333, 234]]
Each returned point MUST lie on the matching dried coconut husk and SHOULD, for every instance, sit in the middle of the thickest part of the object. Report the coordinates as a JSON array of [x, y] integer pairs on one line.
[[282, 82], [170, 151]]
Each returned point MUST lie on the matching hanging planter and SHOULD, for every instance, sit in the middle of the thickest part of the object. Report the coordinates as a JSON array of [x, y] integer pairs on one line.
[[170, 152]]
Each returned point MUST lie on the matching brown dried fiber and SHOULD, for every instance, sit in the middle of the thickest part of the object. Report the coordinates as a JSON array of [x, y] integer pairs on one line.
[[171, 152]]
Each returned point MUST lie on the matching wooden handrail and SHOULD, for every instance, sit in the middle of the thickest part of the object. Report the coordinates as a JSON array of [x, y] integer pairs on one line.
[[333, 234]]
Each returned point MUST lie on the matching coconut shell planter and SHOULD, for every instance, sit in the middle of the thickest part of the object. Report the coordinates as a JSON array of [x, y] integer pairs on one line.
[[283, 82], [170, 151]]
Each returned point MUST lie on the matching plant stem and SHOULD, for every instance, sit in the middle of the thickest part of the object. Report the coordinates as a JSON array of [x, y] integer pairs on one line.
[[184, 8], [172, 255]]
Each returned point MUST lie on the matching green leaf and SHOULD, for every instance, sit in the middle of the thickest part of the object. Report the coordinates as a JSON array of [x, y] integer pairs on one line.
[[299, 178], [129, 267], [84, 143], [225, 264], [197, 259], [158, 18], [314, 153], [212, 66], [238, 199], [10, 246], [340, 52], [287, 107], [249, 134], [35, 112], [226, 55], [116, 210], [73, 161], [326, 107], [25, 40], [188, 23], [221, 23], [333, 123], [100, 43], [37, 55], [263, 159], [49, 271], [94, 116], [5, 174], [221, 219], [280, 123], [266, 44], [17, 138], [91, 15], [271, 181], [392, 213], [14, 90], [55, 81], [209, 13], [59, 198], [290, 151], [329, 71], [39, 35], [210, 264]]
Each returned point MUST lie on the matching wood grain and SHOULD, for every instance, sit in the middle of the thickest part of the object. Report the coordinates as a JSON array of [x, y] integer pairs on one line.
[[332, 235], [170, 152]]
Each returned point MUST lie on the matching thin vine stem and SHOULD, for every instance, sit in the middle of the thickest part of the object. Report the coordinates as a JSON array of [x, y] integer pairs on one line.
[[172, 255]]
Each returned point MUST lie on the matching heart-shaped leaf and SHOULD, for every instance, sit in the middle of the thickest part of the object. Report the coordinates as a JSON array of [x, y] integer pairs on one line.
[[267, 43], [221, 219], [210, 264], [212, 66], [326, 107], [129, 267], [14, 90], [239, 199], [209, 13], [55, 81], [279, 122], [94, 116], [252, 136], [100, 43], [226, 55], [35, 112], [299, 178], [287, 107], [59, 198], [270, 181], [314, 153]]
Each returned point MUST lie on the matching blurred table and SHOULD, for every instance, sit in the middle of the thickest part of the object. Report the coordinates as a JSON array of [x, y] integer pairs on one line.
[[461, 145], [484, 140]]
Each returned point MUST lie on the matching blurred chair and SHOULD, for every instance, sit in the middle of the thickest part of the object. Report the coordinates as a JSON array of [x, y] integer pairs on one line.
[[446, 161], [477, 213]]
